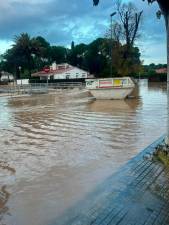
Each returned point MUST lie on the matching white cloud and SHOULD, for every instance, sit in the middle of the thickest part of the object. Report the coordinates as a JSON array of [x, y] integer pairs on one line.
[[4, 45]]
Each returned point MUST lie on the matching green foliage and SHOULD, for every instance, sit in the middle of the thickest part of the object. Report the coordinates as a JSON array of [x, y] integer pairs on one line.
[[25, 74], [95, 2], [57, 54], [164, 3], [161, 154], [149, 72], [33, 54], [76, 54]]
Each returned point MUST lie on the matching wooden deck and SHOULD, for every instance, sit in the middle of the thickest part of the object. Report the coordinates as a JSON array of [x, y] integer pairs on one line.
[[138, 194]]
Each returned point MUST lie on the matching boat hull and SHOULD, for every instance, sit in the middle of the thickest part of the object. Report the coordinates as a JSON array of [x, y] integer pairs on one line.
[[111, 93]]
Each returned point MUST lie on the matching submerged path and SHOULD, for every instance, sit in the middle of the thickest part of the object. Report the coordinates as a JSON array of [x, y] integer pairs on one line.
[[138, 194]]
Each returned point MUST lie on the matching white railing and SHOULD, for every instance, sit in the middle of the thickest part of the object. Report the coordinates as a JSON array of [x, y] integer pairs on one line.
[[39, 87]]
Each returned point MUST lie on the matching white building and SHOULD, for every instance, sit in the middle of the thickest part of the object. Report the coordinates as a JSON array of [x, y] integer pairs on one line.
[[62, 71], [6, 77]]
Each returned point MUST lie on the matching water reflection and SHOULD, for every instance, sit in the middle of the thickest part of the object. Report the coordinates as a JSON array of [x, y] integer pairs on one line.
[[157, 86], [108, 106], [63, 144], [5, 114], [6, 172]]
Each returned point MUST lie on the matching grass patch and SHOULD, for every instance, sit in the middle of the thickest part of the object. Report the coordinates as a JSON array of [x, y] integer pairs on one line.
[[162, 154]]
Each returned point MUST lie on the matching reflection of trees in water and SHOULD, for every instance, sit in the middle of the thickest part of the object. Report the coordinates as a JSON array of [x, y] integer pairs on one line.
[[109, 106], [157, 86], [4, 194], [5, 166], [136, 92]]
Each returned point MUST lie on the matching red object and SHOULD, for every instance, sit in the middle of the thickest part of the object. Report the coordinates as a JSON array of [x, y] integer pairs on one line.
[[105, 84], [46, 69]]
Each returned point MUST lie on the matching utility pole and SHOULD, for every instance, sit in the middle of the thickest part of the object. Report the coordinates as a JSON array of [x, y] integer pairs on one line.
[[111, 43]]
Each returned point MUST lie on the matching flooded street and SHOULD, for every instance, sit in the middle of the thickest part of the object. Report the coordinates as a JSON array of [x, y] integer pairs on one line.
[[56, 148]]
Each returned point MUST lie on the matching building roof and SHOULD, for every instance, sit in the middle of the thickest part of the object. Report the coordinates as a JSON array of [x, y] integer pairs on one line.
[[51, 72], [161, 70], [61, 68]]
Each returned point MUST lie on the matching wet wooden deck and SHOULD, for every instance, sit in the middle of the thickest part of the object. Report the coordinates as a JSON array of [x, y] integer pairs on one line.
[[138, 194]]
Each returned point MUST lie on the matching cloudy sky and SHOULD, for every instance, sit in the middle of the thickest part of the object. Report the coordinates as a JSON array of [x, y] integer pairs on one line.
[[61, 21]]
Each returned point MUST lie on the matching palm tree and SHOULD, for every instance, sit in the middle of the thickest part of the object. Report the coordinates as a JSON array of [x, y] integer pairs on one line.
[[23, 47], [164, 10]]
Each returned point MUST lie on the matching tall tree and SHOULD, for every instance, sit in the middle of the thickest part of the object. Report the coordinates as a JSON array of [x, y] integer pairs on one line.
[[27, 53], [23, 47], [76, 54], [58, 54], [41, 47], [125, 31], [130, 20]]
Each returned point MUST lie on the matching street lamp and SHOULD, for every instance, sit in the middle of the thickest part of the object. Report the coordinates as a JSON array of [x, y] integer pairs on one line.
[[20, 68], [111, 47]]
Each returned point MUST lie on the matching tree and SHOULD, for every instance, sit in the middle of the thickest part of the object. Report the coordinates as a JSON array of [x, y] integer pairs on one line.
[[11, 62], [125, 31], [72, 45], [76, 54], [27, 53], [95, 57], [58, 54], [130, 21], [23, 48], [41, 47], [164, 6], [33, 54]]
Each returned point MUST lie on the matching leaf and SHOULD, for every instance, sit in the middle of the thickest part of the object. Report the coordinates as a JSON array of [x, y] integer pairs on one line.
[[95, 2]]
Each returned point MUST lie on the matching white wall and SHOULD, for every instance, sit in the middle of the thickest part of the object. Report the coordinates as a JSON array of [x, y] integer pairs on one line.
[[7, 77], [22, 82], [75, 73]]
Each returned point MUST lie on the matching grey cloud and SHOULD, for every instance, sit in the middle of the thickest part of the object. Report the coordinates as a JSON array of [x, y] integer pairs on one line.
[[61, 21]]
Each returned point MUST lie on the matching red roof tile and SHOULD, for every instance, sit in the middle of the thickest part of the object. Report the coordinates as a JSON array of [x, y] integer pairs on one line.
[[51, 72]]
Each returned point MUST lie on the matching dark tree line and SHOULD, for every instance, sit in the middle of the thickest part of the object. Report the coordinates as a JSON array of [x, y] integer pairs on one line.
[[30, 54], [33, 54]]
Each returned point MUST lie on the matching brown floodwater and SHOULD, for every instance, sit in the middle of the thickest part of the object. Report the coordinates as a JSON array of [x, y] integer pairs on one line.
[[56, 148]]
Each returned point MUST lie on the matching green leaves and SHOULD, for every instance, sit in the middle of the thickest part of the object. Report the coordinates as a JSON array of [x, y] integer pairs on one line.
[[95, 2]]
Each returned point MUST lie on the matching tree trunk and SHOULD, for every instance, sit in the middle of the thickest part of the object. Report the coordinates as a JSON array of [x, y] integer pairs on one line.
[[167, 31]]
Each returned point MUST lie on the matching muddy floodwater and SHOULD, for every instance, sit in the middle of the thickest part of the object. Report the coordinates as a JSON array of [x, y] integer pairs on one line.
[[55, 148]]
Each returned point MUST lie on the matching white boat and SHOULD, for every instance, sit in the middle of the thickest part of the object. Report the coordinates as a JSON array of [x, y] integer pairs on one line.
[[110, 88]]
